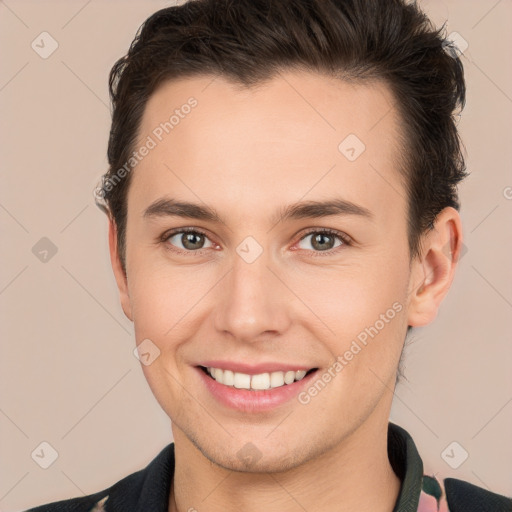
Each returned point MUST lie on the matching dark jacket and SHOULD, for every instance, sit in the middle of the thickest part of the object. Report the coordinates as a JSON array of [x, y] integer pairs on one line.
[[148, 490]]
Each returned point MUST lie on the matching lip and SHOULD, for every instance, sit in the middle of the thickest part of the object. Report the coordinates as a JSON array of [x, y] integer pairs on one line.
[[254, 369], [253, 401]]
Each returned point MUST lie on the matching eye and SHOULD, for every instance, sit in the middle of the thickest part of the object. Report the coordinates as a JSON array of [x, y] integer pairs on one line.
[[189, 240], [186, 240], [324, 240]]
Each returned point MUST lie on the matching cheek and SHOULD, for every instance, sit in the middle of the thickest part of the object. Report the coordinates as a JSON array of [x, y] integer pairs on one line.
[[163, 304], [169, 304], [364, 308], [344, 300], [160, 292], [351, 298]]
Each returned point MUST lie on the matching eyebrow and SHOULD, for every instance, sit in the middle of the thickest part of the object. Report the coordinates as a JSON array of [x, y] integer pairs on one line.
[[166, 207]]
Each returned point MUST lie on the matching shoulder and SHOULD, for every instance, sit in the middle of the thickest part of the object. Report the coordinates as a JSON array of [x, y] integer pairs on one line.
[[90, 503], [128, 486], [124, 494], [466, 497], [454, 495]]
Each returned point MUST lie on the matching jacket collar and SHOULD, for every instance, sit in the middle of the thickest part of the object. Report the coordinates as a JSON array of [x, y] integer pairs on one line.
[[408, 466]]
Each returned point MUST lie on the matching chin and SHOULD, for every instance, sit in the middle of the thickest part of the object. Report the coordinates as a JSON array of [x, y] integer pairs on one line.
[[257, 456]]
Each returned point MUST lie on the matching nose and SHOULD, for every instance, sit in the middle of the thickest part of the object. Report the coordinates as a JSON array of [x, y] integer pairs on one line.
[[252, 302]]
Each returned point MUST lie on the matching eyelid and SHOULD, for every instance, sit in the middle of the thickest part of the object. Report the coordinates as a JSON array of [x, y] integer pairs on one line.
[[346, 239], [164, 238]]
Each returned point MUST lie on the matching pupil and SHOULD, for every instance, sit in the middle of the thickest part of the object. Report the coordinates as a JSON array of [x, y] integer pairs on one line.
[[188, 238], [317, 241]]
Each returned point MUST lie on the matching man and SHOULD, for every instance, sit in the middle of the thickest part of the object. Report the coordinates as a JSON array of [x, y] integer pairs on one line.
[[283, 210]]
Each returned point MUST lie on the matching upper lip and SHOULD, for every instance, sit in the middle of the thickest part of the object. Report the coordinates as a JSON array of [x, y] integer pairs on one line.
[[255, 369]]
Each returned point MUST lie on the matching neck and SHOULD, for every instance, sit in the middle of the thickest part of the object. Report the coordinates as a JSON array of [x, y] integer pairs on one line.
[[354, 475]]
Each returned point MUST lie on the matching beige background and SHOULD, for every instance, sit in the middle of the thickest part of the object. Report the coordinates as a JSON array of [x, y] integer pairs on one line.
[[68, 373]]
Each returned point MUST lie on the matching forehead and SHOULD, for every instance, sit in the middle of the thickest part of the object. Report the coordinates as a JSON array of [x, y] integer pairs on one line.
[[297, 135]]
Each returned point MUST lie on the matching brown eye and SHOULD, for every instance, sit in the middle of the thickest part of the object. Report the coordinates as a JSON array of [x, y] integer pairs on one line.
[[324, 240], [189, 240]]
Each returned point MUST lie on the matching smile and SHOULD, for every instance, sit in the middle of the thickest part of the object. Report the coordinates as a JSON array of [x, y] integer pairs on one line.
[[259, 382]]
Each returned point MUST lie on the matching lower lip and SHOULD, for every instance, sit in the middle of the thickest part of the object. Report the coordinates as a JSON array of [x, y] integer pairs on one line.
[[245, 400]]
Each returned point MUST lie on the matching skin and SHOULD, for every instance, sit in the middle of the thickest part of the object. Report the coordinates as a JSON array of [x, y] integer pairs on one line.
[[249, 153]]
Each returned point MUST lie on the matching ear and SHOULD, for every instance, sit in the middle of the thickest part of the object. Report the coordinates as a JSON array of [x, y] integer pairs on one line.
[[119, 273], [433, 271]]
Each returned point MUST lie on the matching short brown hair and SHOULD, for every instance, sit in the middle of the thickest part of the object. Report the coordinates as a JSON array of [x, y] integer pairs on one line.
[[250, 41]]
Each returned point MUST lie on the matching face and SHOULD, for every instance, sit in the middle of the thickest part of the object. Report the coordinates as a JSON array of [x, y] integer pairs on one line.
[[299, 260]]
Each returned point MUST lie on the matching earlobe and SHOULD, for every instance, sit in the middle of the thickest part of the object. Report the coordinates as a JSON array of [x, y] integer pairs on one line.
[[433, 271], [119, 273]]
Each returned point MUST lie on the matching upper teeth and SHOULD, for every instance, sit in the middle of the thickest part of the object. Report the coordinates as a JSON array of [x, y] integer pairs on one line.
[[257, 382]]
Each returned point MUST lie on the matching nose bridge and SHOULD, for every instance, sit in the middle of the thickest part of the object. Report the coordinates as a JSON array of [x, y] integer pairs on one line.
[[250, 303]]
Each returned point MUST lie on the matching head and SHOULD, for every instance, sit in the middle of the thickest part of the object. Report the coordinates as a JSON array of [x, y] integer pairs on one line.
[[245, 108]]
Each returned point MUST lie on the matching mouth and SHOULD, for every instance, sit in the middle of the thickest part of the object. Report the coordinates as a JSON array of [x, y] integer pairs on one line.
[[256, 382]]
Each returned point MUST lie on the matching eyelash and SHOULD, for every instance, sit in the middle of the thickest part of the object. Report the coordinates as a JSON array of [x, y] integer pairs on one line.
[[347, 241]]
